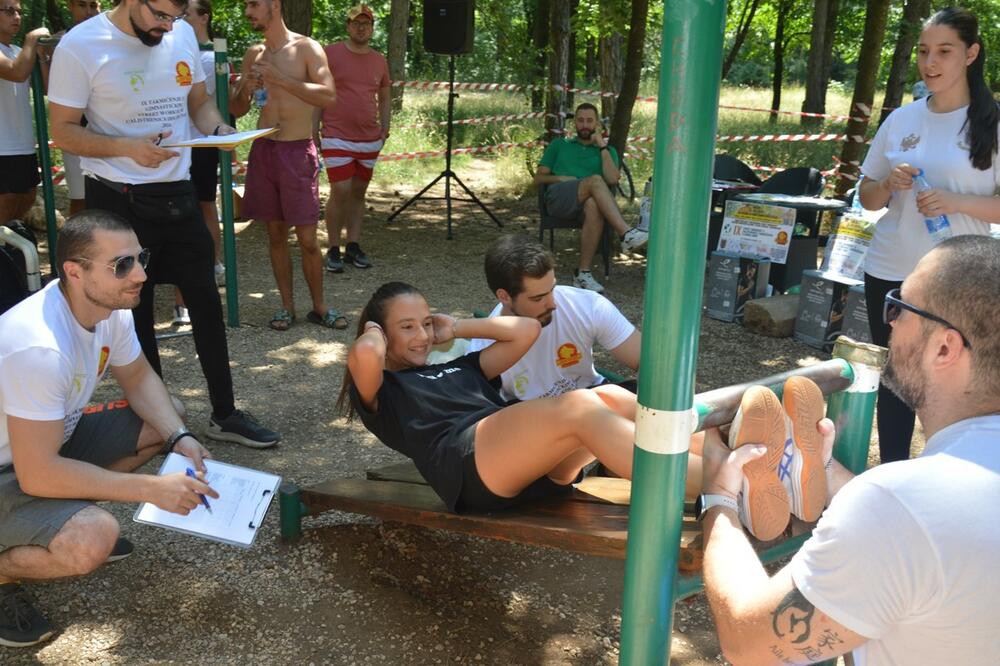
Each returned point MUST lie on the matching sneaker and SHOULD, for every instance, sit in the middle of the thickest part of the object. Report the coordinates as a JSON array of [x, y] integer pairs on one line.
[[181, 317], [241, 427], [802, 469], [123, 548], [585, 280], [21, 624], [220, 275], [764, 506], [634, 240], [333, 262], [355, 255]]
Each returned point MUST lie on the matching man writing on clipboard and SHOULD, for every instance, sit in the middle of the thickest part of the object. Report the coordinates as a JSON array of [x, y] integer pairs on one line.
[[55, 451]]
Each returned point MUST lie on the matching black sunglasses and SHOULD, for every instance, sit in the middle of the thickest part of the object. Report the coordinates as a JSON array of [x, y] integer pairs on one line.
[[894, 306], [122, 266]]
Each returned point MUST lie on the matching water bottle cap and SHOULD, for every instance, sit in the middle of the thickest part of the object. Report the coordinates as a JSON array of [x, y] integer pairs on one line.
[[920, 172]]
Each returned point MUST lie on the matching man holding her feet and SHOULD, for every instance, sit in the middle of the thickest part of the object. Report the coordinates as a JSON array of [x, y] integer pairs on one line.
[[899, 570], [56, 453]]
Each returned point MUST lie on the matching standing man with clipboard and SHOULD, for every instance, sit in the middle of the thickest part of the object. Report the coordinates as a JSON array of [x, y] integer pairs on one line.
[[136, 72]]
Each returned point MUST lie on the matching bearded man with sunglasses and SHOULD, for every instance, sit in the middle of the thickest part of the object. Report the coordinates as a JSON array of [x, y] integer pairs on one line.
[[900, 567], [56, 452], [136, 72]]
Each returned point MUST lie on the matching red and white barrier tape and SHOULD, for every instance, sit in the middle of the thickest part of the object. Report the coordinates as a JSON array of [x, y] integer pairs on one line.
[[478, 121], [469, 150]]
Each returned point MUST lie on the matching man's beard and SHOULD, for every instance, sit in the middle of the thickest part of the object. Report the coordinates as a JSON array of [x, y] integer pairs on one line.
[[902, 376], [585, 134], [147, 37]]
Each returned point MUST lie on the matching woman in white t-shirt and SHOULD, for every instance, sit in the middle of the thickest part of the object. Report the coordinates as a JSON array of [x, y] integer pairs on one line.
[[952, 135]]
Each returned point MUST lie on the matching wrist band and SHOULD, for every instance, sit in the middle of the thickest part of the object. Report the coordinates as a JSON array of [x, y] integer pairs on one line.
[[175, 437]]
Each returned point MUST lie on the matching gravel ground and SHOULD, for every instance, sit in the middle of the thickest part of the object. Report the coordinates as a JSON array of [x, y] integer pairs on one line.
[[354, 590]]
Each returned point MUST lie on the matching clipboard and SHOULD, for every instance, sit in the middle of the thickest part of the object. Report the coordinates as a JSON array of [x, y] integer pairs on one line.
[[225, 141], [244, 497]]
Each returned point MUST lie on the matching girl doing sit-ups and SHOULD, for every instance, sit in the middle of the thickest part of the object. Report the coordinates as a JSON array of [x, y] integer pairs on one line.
[[476, 451]]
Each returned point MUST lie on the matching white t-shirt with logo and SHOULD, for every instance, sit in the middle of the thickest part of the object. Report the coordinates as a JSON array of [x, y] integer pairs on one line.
[[128, 89], [906, 554], [936, 143], [49, 364], [562, 359], [17, 134]]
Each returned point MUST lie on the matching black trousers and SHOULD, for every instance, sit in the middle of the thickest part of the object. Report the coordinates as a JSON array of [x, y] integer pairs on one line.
[[895, 419], [182, 254]]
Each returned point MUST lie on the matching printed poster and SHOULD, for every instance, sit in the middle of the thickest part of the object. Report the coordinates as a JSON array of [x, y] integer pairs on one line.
[[847, 246], [757, 229]]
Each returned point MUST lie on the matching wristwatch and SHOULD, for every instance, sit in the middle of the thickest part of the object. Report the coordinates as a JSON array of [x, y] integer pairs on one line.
[[175, 437], [706, 502]]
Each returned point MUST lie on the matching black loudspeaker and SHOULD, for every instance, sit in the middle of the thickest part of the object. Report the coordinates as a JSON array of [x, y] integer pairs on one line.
[[449, 26]]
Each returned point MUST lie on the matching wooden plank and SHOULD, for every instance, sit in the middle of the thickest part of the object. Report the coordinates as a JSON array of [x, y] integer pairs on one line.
[[594, 528]]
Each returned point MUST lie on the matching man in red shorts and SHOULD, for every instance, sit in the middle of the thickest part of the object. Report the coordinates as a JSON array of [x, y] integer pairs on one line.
[[353, 132], [288, 78]]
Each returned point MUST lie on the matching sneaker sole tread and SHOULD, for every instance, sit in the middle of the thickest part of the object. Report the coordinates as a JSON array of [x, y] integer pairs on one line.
[[765, 498], [803, 402]]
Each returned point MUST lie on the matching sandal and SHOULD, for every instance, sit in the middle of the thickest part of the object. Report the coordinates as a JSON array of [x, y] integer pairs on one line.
[[282, 320], [332, 319]]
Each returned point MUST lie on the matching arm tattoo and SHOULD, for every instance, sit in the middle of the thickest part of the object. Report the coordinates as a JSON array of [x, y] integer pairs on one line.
[[793, 617]]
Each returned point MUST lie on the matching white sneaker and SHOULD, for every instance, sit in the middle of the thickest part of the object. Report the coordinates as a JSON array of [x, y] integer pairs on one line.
[[181, 317], [220, 275], [585, 280], [634, 240]]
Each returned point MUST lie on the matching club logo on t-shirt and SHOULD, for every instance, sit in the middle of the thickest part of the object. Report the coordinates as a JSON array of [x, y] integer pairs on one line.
[[105, 351], [183, 74], [135, 80], [909, 142], [567, 355]]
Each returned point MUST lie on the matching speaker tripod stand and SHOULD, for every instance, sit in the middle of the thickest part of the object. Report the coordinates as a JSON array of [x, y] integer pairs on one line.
[[448, 175]]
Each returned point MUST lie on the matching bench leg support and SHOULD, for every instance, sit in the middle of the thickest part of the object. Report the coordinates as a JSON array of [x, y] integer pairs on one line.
[[292, 510]]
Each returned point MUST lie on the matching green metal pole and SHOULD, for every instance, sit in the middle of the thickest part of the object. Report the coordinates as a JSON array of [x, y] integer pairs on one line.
[[853, 410], [45, 160], [226, 186], [682, 173]]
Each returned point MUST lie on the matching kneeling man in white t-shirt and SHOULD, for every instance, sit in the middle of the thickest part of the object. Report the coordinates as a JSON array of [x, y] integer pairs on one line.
[[900, 568], [520, 272]]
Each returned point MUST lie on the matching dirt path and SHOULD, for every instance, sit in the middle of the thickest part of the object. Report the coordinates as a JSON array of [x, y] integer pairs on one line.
[[355, 591]]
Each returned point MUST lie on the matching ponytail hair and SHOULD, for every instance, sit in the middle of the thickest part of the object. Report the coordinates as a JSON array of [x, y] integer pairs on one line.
[[981, 122], [375, 310]]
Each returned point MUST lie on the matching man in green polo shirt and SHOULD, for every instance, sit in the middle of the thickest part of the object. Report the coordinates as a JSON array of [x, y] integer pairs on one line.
[[579, 174]]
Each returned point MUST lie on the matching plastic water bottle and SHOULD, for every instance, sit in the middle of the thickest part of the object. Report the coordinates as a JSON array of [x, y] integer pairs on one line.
[[260, 96], [856, 207], [938, 226]]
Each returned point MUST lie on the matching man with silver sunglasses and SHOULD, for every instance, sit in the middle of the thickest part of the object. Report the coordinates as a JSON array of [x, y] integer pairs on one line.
[[56, 451], [899, 569], [136, 73]]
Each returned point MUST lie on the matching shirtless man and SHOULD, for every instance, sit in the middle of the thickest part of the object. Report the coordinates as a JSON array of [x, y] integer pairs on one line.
[[281, 184]]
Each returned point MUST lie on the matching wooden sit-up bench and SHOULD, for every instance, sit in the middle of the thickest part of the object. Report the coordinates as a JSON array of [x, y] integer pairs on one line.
[[593, 518]]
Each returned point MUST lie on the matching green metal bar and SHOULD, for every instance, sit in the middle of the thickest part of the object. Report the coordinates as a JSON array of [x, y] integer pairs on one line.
[[226, 187], [853, 411], [44, 159], [682, 173]]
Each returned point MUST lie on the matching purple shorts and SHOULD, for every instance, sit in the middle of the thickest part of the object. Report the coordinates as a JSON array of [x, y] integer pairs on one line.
[[282, 182]]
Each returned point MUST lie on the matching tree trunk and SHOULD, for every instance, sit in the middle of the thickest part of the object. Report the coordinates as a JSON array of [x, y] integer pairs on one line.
[[571, 66], [864, 89], [558, 62], [612, 68], [590, 63], [779, 58], [914, 14], [815, 101], [831, 28], [630, 81], [540, 43], [742, 28], [399, 20], [298, 16]]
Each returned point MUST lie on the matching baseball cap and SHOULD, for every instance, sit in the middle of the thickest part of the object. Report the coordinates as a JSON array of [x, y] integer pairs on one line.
[[360, 10]]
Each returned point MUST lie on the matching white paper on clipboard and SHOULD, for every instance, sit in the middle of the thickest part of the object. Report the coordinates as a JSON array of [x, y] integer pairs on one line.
[[244, 497]]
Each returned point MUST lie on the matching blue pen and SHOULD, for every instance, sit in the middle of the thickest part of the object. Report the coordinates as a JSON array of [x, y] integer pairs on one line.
[[204, 500]]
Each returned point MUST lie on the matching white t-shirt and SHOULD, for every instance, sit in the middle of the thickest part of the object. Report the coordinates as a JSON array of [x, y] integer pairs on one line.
[[17, 134], [128, 89], [49, 364], [562, 359], [934, 142], [906, 554]]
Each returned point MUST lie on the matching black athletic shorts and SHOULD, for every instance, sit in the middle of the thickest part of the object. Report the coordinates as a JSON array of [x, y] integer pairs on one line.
[[477, 498], [18, 173], [205, 172]]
